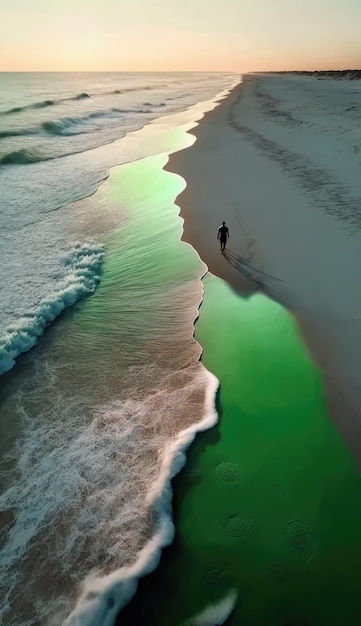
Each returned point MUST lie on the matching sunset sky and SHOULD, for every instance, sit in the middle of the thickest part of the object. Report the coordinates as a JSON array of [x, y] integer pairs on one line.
[[132, 35]]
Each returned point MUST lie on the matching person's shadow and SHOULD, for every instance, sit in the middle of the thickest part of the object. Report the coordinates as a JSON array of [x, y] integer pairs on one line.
[[244, 267]]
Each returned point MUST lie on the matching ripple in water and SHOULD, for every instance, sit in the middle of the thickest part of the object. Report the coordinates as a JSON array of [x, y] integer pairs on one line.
[[300, 538], [239, 527], [229, 472]]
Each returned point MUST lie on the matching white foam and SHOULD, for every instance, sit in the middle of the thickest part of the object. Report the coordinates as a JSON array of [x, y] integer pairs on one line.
[[84, 263], [104, 597], [87, 491], [89, 476], [216, 614]]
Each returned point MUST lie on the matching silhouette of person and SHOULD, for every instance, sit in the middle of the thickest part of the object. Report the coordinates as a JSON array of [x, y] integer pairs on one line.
[[223, 235]]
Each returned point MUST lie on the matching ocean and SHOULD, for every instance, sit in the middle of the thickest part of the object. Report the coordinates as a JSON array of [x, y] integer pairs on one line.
[[167, 457], [101, 386]]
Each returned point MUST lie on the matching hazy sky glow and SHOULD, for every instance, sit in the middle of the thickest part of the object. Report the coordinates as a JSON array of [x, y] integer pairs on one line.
[[131, 35]]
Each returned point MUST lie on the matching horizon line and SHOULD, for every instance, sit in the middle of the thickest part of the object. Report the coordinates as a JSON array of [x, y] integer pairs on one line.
[[258, 71]]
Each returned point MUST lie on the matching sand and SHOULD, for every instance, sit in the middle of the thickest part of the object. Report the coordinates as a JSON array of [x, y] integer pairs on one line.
[[279, 161]]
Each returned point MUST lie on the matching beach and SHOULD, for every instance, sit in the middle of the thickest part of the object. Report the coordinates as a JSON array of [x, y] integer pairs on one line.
[[278, 161], [169, 456], [266, 509]]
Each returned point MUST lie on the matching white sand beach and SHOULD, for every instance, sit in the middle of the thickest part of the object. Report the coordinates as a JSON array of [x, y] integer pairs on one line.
[[279, 160]]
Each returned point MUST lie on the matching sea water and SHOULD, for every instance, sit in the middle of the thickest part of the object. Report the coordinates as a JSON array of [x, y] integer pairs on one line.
[[268, 506], [49, 127], [95, 418]]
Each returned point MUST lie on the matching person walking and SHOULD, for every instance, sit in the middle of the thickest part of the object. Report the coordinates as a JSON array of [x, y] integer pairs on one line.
[[223, 235]]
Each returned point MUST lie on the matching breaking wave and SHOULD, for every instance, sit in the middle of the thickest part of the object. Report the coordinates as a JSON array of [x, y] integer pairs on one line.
[[79, 456], [69, 125], [72, 475], [15, 133], [216, 614], [36, 105], [103, 597], [20, 157], [43, 104], [84, 262], [81, 96], [65, 127]]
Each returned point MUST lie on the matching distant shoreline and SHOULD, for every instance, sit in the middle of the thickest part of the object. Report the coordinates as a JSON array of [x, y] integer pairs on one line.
[[320, 74]]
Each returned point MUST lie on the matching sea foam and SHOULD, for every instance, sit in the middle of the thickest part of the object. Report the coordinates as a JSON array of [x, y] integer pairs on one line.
[[84, 263], [103, 597], [81, 484], [216, 614]]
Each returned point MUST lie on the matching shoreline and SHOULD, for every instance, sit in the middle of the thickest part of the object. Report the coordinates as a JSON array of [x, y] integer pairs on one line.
[[326, 340], [30, 338], [224, 479], [109, 593]]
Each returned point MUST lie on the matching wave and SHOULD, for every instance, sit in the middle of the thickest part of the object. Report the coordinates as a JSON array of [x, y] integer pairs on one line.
[[84, 262], [216, 614], [107, 112], [80, 96], [149, 104], [139, 88], [16, 133], [36, 105], [179, 96], [68, 125], [70, 469], [85, 95], [65, 126], [104, 597], [20, 157], [43, 103]]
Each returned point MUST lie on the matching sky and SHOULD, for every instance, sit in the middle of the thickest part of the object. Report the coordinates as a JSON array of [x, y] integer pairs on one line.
[[184, 35]]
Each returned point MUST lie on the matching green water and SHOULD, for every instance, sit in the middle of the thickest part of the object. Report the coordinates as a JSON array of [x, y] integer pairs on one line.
[[95, 406], [269, 503], [141, 315], [145, 261]]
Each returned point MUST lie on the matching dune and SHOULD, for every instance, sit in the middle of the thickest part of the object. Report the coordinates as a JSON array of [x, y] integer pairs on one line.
[[279, 161], [353, 74]]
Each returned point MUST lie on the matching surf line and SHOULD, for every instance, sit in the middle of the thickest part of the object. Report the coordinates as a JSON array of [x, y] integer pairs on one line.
[[104, 597]]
